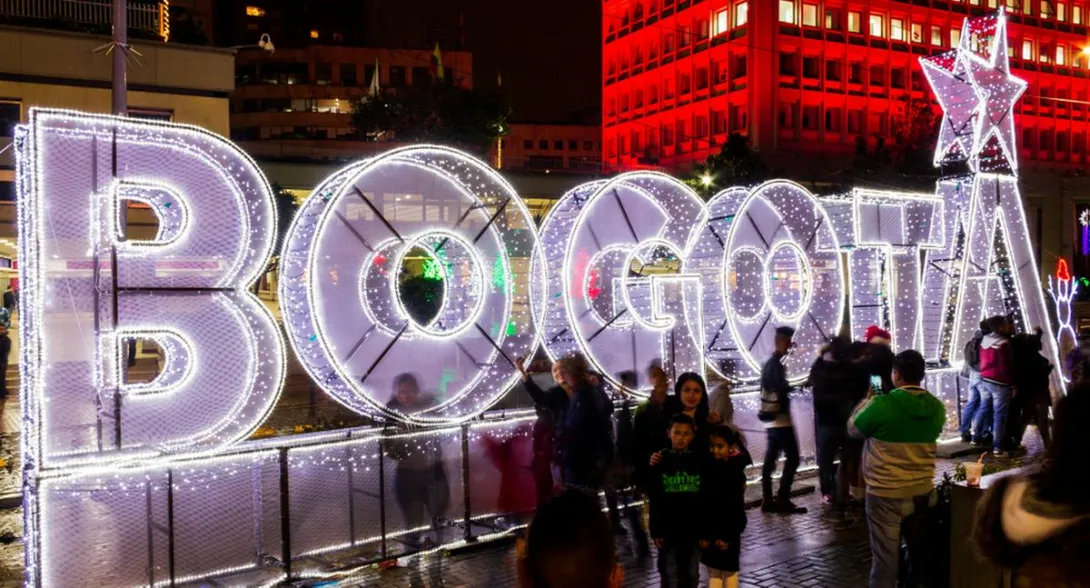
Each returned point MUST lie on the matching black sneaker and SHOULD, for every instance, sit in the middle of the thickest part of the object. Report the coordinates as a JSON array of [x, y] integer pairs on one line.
[[769, 505], [788, 507], [966, 438]]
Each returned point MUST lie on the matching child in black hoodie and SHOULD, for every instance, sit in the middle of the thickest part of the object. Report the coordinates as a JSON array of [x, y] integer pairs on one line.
[[676, 490], [725, 485]]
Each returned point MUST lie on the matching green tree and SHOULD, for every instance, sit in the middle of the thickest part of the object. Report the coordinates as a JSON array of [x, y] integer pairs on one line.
[[906, 156], [285, 213], [439, 113], [736, 164]]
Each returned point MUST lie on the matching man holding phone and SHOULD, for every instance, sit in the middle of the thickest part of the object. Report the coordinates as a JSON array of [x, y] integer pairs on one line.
[[901, 429]]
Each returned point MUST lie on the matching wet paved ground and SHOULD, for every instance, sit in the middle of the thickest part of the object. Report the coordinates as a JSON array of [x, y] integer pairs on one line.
[[777, 551]]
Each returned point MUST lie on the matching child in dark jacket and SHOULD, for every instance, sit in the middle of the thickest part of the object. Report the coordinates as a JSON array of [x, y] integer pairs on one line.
[[677, 493], [726, 510]]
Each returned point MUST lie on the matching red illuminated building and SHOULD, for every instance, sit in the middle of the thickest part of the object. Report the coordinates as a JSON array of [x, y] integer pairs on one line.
[[805, 80]]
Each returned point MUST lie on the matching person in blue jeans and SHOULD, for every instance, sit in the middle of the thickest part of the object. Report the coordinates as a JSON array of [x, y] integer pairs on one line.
[[972, 406], [996, 380]]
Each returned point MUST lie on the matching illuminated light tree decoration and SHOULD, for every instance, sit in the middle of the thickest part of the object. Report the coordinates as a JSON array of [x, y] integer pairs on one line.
[[971, 277], [1063, 290]]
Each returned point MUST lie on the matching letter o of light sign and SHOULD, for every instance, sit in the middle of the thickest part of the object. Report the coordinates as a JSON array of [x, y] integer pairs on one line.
[[781, 267], [341, 299]]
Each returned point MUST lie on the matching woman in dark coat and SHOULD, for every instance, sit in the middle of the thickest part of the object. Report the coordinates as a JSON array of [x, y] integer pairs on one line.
[[1039, 525]]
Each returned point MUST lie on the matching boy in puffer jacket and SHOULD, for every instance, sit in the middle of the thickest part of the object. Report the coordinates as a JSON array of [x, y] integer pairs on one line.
[[901, 429]]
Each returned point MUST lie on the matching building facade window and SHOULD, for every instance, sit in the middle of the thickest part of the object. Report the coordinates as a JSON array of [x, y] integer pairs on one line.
[[348, 74], [955, 37], [877, 25], [1061, 11], [787, 12], [1076, 14], [936, 36], [897, 29], [397, 76], [917, 33], [323, 73], [1061, 56], [1027, 49], [832, 70], [855, 21], [810, 118], [741, 14], [810, 15], [832, 120], [811, 68], [720, 25], [832, 19]]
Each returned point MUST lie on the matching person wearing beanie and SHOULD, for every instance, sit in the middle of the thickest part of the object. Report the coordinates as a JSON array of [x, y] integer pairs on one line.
[[877, 335]]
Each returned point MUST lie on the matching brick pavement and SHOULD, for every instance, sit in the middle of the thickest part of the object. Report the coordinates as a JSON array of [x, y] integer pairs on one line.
[[777, 551]]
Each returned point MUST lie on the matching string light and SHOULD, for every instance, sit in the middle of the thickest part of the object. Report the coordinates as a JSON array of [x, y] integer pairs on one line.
[[626, 270], [987, 266], [1063, 291]]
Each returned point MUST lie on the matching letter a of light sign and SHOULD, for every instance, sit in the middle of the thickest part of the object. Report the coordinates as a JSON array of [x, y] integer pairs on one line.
[[627, 271]]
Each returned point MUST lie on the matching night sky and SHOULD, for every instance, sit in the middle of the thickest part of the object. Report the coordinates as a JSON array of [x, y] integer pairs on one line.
[[548, 52]]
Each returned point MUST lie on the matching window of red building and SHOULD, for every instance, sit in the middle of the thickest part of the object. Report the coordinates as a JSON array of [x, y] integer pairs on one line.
[[787, 12], [877, 25], [810, 15], [741, 14], [832, 70], [832, 19], [719, 22]]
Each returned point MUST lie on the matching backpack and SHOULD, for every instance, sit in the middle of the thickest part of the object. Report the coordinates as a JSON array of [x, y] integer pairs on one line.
[[972, 352]]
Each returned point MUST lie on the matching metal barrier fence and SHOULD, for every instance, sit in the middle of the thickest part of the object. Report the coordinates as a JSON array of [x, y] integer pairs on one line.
[[312, 506]]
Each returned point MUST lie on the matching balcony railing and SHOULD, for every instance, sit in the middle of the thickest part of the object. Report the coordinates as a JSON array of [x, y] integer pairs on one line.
[[150, 18]]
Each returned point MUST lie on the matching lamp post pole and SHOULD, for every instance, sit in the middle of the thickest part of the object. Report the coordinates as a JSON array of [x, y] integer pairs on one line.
[[120, 57]]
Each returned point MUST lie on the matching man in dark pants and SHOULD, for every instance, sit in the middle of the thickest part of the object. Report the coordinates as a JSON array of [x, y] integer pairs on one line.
[[775, 413], [5, 350], [838, 386]]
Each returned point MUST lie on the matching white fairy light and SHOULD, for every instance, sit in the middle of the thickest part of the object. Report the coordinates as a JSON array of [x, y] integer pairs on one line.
[[346, 231], [960, 280], [1063, 290]]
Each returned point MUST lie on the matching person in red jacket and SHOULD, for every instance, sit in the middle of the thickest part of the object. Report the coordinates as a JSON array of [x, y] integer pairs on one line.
[[996, 378]]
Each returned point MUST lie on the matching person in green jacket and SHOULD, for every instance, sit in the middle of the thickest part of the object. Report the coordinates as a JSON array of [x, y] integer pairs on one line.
[[901, 429]]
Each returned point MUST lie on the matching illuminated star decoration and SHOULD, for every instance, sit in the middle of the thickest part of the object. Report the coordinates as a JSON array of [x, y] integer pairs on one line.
[[973, 85], [1063, 290], [997, 91], [949, 80]]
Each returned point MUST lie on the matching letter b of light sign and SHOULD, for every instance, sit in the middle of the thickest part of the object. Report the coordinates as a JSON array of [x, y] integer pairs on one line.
[[88, 292]]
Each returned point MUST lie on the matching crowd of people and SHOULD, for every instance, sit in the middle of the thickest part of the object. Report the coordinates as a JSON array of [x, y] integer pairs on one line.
[[876, 434], [1008, 387]]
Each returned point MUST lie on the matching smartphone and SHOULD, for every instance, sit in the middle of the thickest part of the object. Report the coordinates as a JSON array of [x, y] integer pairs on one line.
[[876, 384]]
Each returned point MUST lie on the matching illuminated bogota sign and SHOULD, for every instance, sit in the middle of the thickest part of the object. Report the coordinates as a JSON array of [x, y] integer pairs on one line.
[[627, 270]]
